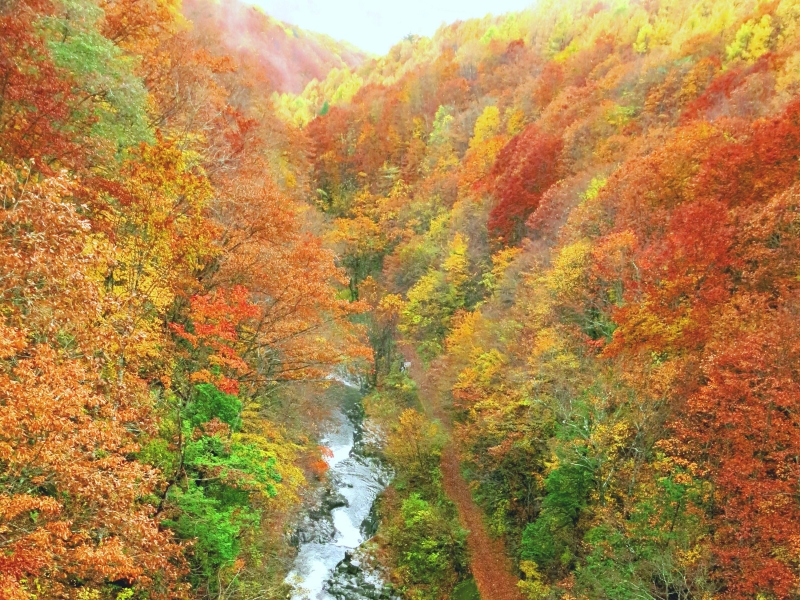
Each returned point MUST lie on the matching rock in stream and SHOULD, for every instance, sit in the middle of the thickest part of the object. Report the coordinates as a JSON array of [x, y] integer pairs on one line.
[[330, 563]]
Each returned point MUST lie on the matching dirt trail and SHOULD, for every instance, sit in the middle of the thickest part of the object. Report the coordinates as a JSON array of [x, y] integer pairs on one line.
[[490, 565]]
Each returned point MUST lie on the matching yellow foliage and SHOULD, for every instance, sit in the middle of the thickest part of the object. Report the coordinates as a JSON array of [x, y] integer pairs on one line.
[[532, 586], [436, 296], [359, 235], [391, 305], [752, 39], [337, 89], [414, 441], [561, 35], [569, 269], [438, 226], [613, 439], [457, 263], [649, 325], [501, 261], [788, 78], [489, 366], [268, 438], [691, 557], [486, 126], [461, 341], [515, 121], [550, 352], [788, 13], [643, 38], [593, 191]]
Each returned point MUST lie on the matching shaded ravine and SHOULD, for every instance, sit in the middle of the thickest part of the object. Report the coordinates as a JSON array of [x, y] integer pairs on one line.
[[329, 563], [492, 569]]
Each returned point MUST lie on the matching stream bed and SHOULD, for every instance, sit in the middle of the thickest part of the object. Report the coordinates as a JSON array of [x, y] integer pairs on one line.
[[331, 561]]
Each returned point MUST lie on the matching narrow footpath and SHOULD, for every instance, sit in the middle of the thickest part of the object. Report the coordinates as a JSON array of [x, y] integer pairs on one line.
[[489, 563]]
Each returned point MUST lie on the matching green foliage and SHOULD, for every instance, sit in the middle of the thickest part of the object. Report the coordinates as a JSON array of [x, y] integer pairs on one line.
[[441, 153], [466, 590], [551, 541], [413, 260], [216, 505], [209, 403], [246, 465], [397, 392], [431, 549], [218, 482], [660, 543], [117, 99], [427, 315], [214, 523], [441, 125], [157, 452]]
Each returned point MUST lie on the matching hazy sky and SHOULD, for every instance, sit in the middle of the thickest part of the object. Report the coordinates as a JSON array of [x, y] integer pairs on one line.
[[376, 25]]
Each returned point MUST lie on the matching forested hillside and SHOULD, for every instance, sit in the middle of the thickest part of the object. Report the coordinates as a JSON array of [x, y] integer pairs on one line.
[[161, 285], [560, 247], [584, 219], [288, 57]]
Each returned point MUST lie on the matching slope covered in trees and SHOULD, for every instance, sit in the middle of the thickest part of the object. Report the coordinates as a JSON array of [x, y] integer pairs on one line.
[[584, 217], [160, 285], [579, 222], [287, 56]]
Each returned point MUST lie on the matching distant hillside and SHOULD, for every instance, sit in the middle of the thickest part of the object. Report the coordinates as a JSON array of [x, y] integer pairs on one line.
[[289, 56]]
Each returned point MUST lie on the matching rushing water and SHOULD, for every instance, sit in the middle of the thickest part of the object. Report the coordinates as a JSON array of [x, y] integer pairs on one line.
[[329, 563]]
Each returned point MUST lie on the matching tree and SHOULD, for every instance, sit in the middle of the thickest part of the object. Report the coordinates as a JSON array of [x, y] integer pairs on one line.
[[525, 168], [74, 506], [742, 425]]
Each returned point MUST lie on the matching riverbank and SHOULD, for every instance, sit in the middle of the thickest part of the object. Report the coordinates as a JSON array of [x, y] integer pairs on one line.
[[331, 562]]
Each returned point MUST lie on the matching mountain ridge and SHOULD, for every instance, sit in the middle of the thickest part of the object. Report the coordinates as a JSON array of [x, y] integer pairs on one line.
[[289, 56]]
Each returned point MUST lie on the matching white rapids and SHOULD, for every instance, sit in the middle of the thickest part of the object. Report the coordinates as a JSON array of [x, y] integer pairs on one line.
[[358, 480]]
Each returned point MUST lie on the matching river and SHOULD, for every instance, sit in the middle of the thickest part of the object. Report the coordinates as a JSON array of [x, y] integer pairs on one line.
[[330, 562]]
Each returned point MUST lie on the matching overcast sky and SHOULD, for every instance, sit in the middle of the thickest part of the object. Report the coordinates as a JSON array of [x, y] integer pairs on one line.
[[376, 25]]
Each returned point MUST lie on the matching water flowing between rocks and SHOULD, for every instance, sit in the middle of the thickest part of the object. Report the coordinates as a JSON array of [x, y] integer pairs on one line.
[[331, 562]]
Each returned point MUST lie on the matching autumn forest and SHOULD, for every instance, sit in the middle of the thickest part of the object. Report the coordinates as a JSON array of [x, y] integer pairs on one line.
[[554, 256]]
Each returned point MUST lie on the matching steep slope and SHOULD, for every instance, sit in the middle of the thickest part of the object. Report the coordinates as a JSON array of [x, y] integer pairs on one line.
[[494, 575], [585, 218], [159, 282], [286, 55]]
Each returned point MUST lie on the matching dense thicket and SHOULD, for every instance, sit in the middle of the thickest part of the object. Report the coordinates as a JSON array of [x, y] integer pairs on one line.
[[585, 219], [158, 285]]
